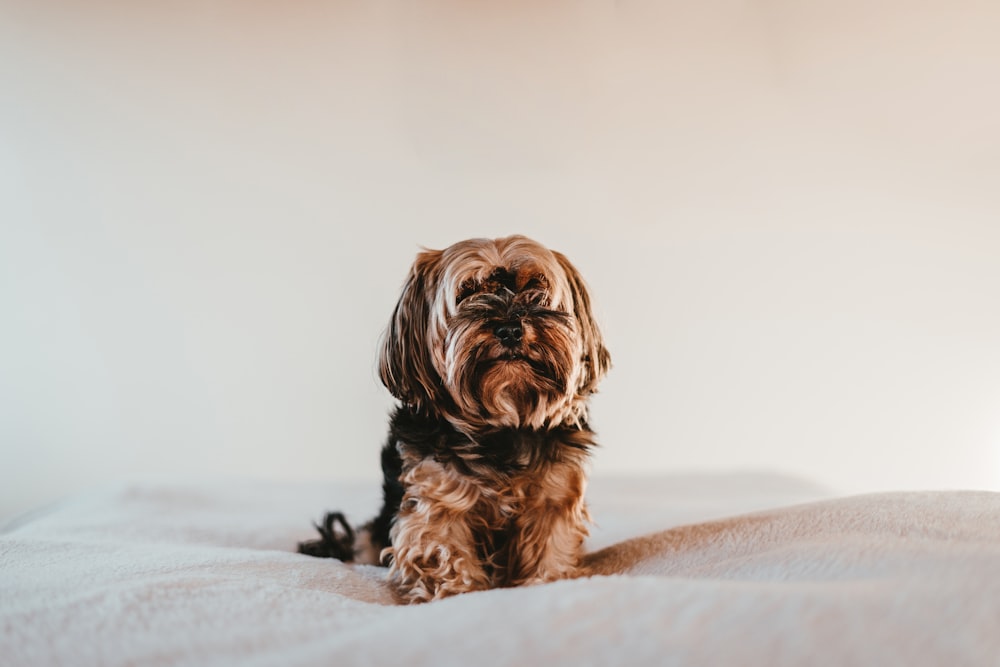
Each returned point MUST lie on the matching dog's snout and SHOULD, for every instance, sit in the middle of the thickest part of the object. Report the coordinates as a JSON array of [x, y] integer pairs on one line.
[[509, 333]]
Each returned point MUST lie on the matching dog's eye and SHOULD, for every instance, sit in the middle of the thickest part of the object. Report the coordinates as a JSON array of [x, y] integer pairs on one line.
[[465, 290], [536, 283]]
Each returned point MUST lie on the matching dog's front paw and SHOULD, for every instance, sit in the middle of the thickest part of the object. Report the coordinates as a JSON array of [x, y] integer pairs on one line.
[[422, 577]]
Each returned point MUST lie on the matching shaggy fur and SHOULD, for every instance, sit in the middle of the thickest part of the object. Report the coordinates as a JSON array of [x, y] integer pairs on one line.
[[493, 353]]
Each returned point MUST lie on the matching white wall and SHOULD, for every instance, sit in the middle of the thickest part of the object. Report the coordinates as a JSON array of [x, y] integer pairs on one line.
[[788, 211]]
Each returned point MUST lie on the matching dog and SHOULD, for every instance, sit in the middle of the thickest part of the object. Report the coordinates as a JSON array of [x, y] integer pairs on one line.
[[493, 353]]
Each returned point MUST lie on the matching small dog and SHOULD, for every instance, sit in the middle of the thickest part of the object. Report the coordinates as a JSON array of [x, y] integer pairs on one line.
[[493, 353]]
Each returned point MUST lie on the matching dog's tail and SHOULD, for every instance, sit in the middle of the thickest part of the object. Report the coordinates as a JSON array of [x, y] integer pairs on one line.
[[336, 539]]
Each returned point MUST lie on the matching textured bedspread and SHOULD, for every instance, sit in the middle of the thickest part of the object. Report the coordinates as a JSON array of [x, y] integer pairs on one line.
[[723, 570]]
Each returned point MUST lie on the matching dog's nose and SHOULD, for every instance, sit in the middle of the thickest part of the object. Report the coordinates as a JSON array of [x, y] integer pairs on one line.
[[510, 333]]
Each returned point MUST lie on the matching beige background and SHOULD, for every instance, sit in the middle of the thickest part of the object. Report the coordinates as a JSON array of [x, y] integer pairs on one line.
[[788, 212]]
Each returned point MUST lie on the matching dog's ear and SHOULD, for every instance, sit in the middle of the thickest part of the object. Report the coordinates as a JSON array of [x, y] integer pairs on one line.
[[405, 366], [596, 358]]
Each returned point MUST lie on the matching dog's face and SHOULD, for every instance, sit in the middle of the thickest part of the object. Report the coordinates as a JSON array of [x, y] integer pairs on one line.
[[494, 333]]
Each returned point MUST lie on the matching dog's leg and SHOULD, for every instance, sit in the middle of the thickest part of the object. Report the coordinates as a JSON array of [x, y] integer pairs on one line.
[[549, 532], [433, 552]]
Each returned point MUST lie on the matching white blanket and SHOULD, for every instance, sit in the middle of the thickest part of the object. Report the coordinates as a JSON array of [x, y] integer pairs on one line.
[[207, 575]]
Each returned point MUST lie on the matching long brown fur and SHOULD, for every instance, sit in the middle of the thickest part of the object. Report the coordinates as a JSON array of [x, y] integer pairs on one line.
[[493, 353]]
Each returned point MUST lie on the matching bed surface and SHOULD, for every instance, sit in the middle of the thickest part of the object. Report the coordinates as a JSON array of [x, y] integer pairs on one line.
[[748, 569]]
